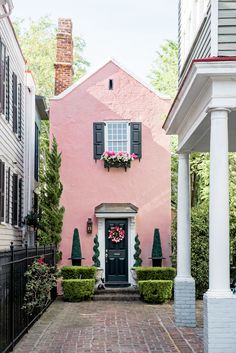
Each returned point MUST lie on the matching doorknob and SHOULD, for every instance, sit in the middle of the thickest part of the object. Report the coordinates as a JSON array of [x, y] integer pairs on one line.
[[106, 256]]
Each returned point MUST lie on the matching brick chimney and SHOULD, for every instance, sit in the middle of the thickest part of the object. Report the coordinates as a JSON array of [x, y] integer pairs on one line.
[[64, 56]]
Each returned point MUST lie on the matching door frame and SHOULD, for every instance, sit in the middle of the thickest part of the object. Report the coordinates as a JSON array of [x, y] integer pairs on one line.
[[131, 239], [125, 242]]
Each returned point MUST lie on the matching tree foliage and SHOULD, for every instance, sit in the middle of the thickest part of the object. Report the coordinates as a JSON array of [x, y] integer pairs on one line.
[[164, 72], [51, 213], [38, 43], [199, 247]]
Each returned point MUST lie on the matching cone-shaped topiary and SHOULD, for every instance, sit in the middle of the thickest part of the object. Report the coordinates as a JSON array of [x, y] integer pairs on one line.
[[96, 261], [156, 247], [76, 249], [138, 260]]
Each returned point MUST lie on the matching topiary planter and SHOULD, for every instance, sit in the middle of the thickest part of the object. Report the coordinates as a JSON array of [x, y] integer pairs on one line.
[[98, 276], [157, 262], [76, 262], [134, 275]]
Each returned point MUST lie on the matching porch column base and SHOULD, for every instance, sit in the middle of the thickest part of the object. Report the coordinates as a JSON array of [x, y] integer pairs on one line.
[[219, 324], [185, 311]]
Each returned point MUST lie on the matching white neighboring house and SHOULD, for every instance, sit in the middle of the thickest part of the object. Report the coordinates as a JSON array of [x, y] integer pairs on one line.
[[17, 138], [203, 115]]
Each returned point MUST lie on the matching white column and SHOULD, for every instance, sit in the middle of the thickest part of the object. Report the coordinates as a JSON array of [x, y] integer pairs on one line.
[[183, 219], [219, 256], [185, 311]]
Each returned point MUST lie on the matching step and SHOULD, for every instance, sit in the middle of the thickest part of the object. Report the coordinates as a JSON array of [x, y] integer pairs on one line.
[[117, 294], [116, 297], [115, 291]]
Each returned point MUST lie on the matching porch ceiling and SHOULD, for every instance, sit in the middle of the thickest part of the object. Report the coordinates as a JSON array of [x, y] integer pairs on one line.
[[199, 141], [208, 85]]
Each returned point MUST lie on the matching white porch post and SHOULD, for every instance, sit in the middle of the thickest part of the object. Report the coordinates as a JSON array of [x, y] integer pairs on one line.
[[184, 283], [219, 302], [219, 205]]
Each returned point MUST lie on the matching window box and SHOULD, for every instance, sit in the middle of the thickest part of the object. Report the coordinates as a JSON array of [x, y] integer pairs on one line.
[[117, 160]]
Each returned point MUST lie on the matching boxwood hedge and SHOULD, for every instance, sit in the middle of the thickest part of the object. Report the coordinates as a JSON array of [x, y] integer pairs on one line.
[[155, 291], [76, 290], [78, 272], [155, 273]]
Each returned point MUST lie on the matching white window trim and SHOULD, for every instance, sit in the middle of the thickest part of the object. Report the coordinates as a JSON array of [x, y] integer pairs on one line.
[[117, 122]]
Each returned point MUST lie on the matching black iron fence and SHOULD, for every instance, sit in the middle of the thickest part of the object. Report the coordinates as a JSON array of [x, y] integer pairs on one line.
[[15, 322]]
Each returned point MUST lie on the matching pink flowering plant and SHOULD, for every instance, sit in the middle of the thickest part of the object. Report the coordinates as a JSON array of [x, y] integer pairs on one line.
[[40, 279], [117, 159]]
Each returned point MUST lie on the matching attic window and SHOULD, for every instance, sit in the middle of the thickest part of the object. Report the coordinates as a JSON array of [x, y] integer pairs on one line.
[[110, 84]]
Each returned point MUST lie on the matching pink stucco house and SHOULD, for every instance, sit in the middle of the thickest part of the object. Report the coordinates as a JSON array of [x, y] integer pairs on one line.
[[111, 110]]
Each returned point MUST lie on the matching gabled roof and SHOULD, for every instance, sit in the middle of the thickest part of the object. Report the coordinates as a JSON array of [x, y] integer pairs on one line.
[[88, 75]]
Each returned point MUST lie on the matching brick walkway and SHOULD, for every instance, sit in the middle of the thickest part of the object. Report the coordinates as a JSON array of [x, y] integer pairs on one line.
[[116, 327]]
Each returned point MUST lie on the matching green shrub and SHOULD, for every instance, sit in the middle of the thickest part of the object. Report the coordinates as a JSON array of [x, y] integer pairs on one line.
[[76, 290], [199, 247], [78, 272], [157, 291], [155, 273]]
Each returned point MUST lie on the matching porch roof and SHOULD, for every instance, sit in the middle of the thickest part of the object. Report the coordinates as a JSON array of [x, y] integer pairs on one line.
[[121, 208], [209, 84]]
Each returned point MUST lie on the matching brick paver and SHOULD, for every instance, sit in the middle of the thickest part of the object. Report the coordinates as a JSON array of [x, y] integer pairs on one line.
[[114, 327]]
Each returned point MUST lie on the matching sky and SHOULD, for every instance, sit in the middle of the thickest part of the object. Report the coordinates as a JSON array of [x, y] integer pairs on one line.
[[131, 31]]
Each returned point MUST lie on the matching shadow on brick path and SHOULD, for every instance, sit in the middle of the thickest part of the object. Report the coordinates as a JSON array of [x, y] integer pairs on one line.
[[115, 327]]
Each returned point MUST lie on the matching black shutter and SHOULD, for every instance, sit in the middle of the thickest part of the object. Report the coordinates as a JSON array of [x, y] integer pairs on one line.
[[136, 138], [2, 190], [14, 199], [19, 109], [98, 140], [2, 76], [14, 102], [7, 108], [36, 154], [20, 204], [8, 196]]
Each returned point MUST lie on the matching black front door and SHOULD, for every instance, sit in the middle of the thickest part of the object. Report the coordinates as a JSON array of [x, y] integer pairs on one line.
[[116, 253]]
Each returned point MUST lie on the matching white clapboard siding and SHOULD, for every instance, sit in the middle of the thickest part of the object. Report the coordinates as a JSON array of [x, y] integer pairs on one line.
[[201, 47], [227, 28], [11, 148]]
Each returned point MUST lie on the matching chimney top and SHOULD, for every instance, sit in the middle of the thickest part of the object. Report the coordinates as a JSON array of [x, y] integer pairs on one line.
[[64, 56], [64, 26]]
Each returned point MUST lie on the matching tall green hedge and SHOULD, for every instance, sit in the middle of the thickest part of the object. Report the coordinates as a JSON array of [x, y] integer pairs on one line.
[[199, 247], [155, 273], [156, 291], [78, 272], [76, 290]]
